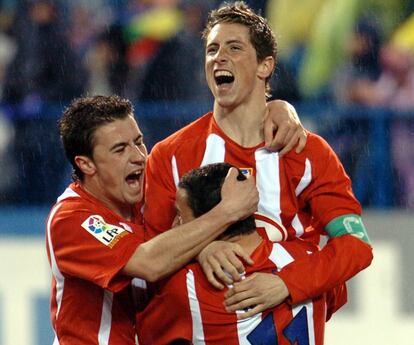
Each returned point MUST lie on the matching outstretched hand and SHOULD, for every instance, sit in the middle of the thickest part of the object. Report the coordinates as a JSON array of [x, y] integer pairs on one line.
[[256, 293], [283, 129]]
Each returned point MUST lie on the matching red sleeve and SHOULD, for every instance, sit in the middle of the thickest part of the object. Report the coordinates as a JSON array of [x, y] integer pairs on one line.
[[80, 254], [159, 210], [335, 299], [329, 195], [167, 318], [340, 259]]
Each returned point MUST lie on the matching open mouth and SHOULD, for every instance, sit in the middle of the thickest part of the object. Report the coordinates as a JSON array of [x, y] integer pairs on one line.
[[134, 177], [223, 77]]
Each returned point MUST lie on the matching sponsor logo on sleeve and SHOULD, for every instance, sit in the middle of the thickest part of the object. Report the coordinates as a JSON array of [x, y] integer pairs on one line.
[[108, 234]]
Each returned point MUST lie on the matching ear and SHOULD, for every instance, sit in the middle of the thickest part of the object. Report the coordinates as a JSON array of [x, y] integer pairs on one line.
[[85, 164], [265, 67]]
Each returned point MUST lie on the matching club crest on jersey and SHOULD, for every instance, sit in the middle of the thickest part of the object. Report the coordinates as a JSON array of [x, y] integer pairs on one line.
[[108, 234], [247, 171]]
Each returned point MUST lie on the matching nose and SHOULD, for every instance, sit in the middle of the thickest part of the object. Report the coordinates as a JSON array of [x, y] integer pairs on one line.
[[221, 55], [139, 153]]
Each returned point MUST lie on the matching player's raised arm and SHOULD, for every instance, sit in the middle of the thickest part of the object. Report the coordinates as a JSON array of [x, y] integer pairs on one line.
[[170, 250]]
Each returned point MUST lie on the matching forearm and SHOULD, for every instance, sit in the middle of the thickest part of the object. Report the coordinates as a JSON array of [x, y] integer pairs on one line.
[[172, 249], [341, 259]]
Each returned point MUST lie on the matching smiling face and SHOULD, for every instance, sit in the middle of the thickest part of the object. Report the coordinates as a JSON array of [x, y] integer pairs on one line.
[[115, 174], [233, 72]]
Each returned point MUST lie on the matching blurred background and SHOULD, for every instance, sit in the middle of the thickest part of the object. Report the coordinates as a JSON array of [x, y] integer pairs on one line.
[[346, 65]]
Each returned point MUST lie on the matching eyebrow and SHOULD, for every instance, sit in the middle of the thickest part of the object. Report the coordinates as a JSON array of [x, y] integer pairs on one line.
[[117, 145], [123, 143], [227, 42]]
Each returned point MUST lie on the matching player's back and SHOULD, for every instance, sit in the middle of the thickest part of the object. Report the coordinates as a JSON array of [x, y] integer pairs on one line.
[[188, 309]]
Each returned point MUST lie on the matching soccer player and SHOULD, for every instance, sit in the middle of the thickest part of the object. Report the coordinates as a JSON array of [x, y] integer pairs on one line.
[[187, 309], [309, 193], [94, 235]]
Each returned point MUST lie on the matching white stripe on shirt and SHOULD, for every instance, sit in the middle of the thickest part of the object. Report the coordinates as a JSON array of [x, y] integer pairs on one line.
[[106, 318], [198, 333], [268, 182], [215, 150]]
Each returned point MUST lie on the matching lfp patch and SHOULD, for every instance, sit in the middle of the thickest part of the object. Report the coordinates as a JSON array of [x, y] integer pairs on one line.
[[108, 234]]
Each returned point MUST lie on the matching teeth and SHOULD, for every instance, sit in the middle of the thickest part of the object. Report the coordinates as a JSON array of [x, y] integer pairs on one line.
[[223, 74], [135, 174]]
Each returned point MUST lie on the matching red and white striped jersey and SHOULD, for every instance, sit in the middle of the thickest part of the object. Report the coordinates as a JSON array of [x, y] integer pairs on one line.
[[87, 246], [188, 310], [302, 191]]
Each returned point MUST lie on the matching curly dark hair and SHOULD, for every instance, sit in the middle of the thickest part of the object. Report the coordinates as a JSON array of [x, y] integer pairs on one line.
[[80, 120]]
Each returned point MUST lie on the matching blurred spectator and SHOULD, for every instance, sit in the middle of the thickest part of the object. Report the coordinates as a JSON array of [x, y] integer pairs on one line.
[[44, 71], [107, 64], [83, 28], [311, 35], [379, 76], [404, 33], [395, 89], [147, 25], [44, 64], [362, 66], [177, 70]]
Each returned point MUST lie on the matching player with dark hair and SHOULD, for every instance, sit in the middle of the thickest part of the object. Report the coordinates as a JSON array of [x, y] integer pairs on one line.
[[308, 193], [188, 310], [95, 237]]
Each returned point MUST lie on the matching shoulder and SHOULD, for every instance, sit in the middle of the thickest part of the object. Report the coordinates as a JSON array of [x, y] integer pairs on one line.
[[316, 149], [73, 208], [315, 144]]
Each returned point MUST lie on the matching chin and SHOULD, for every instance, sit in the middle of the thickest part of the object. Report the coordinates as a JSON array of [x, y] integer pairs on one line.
[[224, 103], [134, 199]]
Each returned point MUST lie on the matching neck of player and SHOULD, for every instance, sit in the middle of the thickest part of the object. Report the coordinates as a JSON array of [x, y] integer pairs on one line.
[[242, 123]]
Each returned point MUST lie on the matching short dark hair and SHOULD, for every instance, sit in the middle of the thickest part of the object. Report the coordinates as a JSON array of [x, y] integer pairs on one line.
[[80, 120], [261, 35], [203, 188]]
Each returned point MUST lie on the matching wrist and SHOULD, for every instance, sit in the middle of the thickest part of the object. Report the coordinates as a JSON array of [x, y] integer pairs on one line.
[[229, 212]]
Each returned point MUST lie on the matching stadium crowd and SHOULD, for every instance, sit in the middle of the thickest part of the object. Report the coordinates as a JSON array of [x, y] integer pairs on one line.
[[337, 53]]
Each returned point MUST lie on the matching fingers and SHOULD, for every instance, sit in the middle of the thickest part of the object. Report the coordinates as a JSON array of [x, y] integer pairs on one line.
[[269, 131], [282, 128], [291, 140], [256, 293], [232, 267], [230, 180], [232, 173], [247, 259], [281, 137], [217, 271], [302, 142], [239, 198], [251, 311], [239, 291], [212, 279], [247, 303], [222, 262]]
